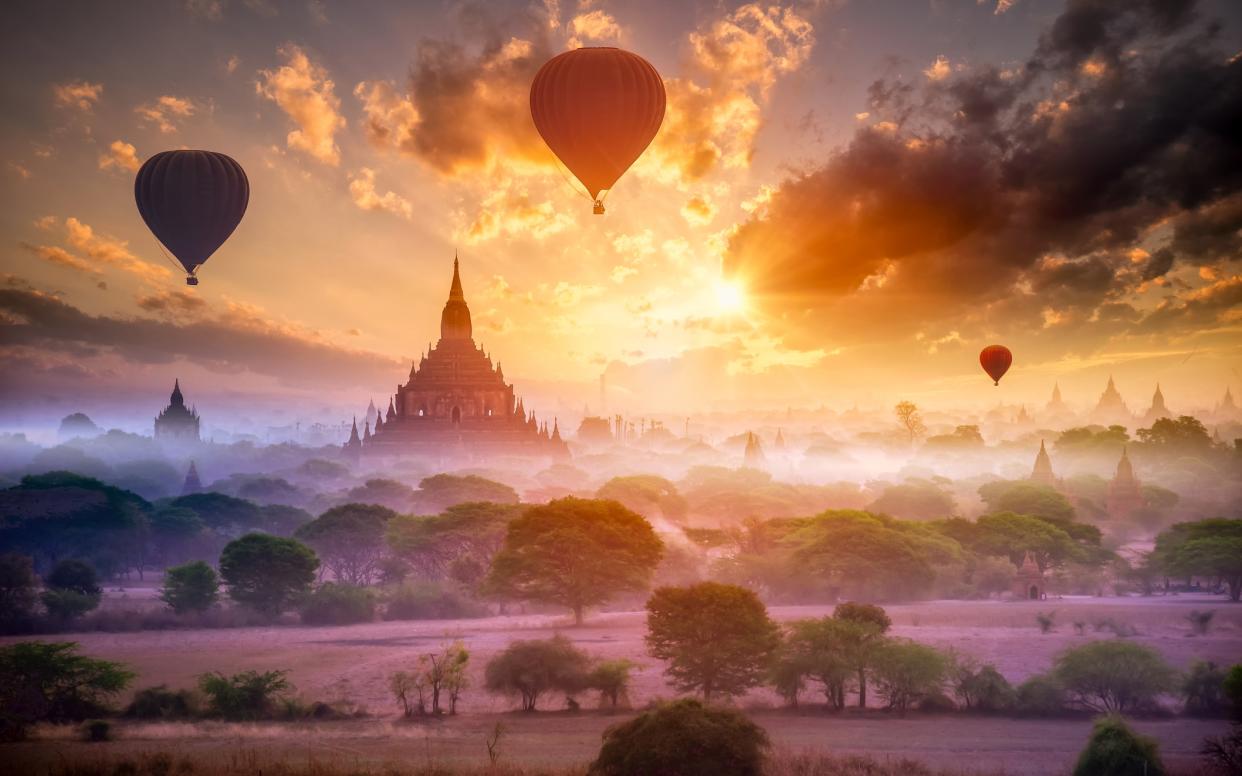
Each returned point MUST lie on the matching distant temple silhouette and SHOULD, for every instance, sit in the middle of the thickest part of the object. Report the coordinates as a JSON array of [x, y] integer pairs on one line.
[[1125, 492], [752, 456], [1042, 473], [1157, 410], [177, 422], [1111, 409], [456, 402], [192, 483]]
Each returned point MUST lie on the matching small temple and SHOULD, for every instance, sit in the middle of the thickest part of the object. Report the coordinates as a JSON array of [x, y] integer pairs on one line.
[[177, 422], [1042, 473], [1111, 408], [753, 456], [1158, 410], [456, 402], [1029, 581], [1125, 492], [192, 482]]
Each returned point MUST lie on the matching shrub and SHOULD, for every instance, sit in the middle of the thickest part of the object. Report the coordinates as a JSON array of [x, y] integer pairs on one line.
[[1114, 676], [612, 679], [1225, 752], [435, 675], [429, 601], [96, 730], [1203, 687], [1046, 621], [267, 573], [1200, 622], [683, 738], [1115, 750], [42, 681], [17, 592], [906, 672], [528, 669], [1233, 690], [982, 688], [159, 702], [1041, 695], [72, 589], [190, 587], [249, 695], [335, 603]]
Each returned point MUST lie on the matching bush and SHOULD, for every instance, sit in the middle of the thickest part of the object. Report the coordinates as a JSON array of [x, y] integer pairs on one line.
[[429, 601], [50, 682], [528, 669], [159, 702], [267, 573], [683, 738], [190, 587], [612, 679], [1046, 621], [17, 592], [1200, 622], [96, 730], [72, 589], [249, 695], [1233, 690], [1114, 676], [335, 603], [1203, 687], [1115, 750], [1225, 752], [1041, 695], [982, 689], [906, 672]]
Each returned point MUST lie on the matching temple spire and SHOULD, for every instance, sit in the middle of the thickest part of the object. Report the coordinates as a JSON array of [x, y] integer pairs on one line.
[[455, 291]]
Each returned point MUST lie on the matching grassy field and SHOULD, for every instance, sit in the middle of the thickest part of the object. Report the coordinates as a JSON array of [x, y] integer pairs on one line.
[[352, 663]]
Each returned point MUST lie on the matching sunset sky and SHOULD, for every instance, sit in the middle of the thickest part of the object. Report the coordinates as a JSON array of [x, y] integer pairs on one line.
[[846, 201]]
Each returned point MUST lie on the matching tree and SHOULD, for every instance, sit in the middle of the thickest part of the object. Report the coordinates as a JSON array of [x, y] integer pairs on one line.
[[683, 738], [1209, 548], [1203, 688], [1115, 750], [190, 587], [906, 672], [859, 553], [1184, 436], [470, 533], [49, 681], [981, 688], [612, 679], [530, 669], [176, 534], [17, 591], [72, 589], [441, 491], [717, 639], [646, 494], [1027, 498], [1015, 535], [576, 553], [910, 420], [435, 675], [873, 623], [826, 650], [349, 539], [1114, 676], [336, 603], [267, 573], [249, 695], [918, 500]]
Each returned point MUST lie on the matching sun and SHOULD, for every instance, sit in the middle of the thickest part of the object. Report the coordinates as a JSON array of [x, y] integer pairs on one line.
[[730, 297]]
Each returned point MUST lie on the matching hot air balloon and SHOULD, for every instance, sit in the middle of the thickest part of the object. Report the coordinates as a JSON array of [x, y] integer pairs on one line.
[[192, 201], [597, 109], [996, 360]]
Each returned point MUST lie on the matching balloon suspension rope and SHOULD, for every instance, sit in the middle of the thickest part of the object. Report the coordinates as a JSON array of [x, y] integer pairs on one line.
[[190, 279]]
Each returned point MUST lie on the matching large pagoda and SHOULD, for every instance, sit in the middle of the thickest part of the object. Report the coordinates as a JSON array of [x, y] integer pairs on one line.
[[456, 402]]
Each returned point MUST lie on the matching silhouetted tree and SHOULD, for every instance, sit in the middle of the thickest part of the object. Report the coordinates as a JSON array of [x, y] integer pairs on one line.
[[267, 573]]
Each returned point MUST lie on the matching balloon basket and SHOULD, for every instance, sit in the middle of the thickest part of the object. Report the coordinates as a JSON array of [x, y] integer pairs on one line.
[[191, 280], [599, 208]]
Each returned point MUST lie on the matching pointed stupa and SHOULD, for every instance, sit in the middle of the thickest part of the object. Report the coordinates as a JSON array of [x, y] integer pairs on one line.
[[1042, 472], [192, 483], [176, 399], [392, 410], [366, 432], [353, 433], [455, 320], [1158, 409]]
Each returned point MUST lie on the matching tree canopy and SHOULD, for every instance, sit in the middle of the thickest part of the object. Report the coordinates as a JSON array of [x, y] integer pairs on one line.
[[267, 573], [1208, 548], [349, 539]]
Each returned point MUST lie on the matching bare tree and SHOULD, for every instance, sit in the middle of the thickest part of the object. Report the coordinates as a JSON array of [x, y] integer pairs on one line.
[[910, 419]]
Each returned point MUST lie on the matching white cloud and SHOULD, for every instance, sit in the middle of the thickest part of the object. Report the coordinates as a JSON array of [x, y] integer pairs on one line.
[[362, 191], [121, 156], [306, 94]]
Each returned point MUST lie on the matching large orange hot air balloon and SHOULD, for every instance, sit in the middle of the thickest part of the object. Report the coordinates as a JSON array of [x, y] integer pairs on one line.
[[996, 360], [598, 110]]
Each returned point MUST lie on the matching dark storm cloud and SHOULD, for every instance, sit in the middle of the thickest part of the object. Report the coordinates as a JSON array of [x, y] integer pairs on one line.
[[230, 342], [1126, 117]]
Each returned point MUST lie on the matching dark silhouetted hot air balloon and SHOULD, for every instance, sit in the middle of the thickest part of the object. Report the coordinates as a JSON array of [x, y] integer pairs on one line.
[[996, 360], [597, 109], [192, 201]]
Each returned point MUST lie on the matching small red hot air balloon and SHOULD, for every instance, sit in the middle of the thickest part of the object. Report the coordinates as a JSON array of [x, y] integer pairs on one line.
[[597, 109], [996, 360]]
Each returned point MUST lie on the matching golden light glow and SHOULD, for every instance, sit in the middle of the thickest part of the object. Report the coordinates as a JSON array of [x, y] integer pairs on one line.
[[730, 297]]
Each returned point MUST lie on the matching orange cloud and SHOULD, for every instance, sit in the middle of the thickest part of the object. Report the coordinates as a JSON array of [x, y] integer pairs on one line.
[[121, 156], [111, 251], [362, 191], [592, 26], [79, 95], [62, 258], [307, 95], [165, 112], [698, 210]]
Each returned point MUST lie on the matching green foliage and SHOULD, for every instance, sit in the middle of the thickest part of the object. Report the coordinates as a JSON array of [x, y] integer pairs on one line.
[[1203, 688], [981, 688], [72, 589], [992, 574], [1200, 622], [576, 553], [905, 672], [336, 603], [916, 500], [159, 702], [250, 695], [612, 679], [97, 730], [857, 553], [530, 669], [50, 682], [267, 573], [1023, 497], [1184, 436], [190, 587], [437, 676], [1114, 676], [431, 601], [853, 611], [18, 596], [832, 651], [1232, 687], [440, 491], [717, 639], [683, 738], [1210, 548], [1115, 750], [1042, 694], [1093, 440], [471, 531], [349, 539], [646, 494]]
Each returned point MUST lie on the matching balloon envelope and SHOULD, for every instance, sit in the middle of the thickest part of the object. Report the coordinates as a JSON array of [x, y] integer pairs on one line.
[[192, 201], [597, 109], [996, 360]]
